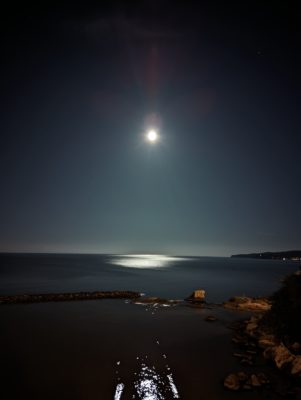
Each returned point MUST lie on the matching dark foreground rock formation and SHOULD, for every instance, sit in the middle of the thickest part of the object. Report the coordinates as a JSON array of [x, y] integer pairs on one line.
[[270, 338], [47, 297], [260, 352]]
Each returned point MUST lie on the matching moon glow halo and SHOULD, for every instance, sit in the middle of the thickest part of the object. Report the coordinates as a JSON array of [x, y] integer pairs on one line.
[[152, 136]]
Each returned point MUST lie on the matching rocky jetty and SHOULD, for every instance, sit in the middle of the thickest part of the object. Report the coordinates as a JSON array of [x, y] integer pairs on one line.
[[54, 297]]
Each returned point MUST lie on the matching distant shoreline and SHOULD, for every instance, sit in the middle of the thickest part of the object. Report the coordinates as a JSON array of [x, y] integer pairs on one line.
[[292, 255]]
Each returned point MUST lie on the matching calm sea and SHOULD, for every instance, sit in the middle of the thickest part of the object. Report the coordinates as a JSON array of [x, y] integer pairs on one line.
[[155, 275]]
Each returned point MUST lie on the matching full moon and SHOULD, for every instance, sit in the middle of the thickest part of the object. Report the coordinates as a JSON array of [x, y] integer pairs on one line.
[[152, 135]]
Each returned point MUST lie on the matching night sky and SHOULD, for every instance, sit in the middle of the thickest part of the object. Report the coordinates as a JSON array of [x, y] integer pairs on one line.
[[80, 87]]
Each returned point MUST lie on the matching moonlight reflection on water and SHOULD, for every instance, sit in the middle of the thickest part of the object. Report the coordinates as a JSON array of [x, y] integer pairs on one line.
[[144, 260]]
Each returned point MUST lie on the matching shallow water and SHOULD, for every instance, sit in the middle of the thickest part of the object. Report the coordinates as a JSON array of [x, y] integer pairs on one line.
[[157, 275], [111, 349], [115, 350]]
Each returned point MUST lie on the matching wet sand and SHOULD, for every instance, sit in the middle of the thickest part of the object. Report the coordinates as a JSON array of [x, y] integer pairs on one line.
[[84, 350]]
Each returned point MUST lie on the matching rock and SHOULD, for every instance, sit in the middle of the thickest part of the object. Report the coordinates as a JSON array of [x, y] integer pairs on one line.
[[296, 366], [197, 296], [232, 382], [248, 303], [242, 380], [238, 299], [251, 352], [251, 328], [242, 376], [280, 354], [262, 378], [255, 381], [268, 353], [210, 318], [267, 341]]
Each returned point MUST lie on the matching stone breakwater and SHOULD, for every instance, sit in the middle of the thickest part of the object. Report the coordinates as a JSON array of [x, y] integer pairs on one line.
[[54, 297]]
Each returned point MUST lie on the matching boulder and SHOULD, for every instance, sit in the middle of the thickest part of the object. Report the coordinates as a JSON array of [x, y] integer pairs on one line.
[[280, 355], [232, 382], [265, 341], [243, 381], [242, 376], [251, 327], [198, 296], [254, 381], [248, 303], [296, 366]]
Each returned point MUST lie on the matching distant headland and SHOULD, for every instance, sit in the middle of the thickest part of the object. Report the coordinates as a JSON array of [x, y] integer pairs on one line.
[[294, 255]]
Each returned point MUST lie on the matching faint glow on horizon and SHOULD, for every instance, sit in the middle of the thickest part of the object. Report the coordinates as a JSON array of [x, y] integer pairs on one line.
[[144, 260], [152, 136]]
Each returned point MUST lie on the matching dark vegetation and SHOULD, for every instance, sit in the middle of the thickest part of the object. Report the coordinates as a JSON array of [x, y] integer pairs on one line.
[[284, 318]]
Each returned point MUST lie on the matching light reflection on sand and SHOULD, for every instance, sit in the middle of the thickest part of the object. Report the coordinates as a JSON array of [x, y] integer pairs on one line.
[[144, 260], [119, 390], [149, 384]]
